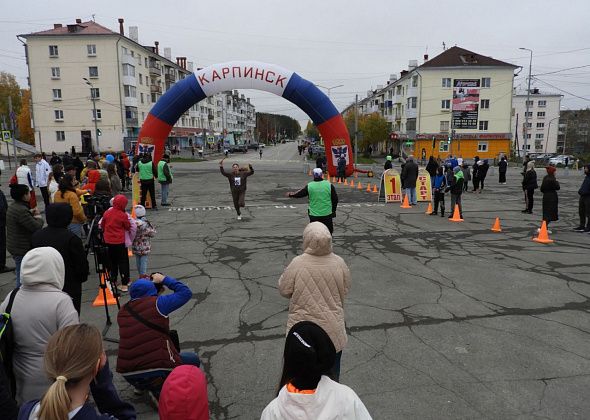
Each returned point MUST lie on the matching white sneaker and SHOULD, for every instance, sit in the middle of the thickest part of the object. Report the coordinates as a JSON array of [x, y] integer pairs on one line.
[[239, 217]]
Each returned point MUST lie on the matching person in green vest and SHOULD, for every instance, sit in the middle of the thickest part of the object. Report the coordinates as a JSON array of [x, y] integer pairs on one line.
[[164, 178], [323, 199], [146, 178]]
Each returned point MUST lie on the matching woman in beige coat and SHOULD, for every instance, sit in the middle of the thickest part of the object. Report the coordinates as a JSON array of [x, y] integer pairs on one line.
[[317, 283]]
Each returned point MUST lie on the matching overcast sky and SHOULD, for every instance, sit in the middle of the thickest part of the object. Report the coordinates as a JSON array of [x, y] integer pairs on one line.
[[354, 43]]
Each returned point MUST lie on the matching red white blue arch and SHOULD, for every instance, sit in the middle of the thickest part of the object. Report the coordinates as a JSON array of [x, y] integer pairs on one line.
[[247, 75]]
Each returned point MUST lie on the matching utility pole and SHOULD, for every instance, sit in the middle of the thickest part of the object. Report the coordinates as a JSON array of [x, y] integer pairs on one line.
[[93, 99], [7, 149], [12, 118], [356, 129], [528, 97]]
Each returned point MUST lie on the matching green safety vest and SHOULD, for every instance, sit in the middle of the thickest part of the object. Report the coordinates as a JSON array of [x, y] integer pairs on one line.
[[161, 176], [146, 170], [320, 198]]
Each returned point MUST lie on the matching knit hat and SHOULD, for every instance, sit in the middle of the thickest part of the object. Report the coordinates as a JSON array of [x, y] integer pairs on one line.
[[318, 173], [139, 211], [142, 288]]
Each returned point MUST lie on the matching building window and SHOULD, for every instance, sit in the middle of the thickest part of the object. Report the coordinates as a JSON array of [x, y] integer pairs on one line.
[[539, 136], [414, 81], [541, 114], [60, 136], [485, 104], [529, 103], [145, 62], [59, 115], [53, 52], [542, 104], [411, 124], [140, 79], [93, 72], [128, 70], [91, 48], [486, 82], [483, 125], [412, 102], [446, 82], [147, 82], [96, 115], [540, 125], [482, 146], [139, 59], [57, 94], [443, 146], [528, 136], [124, 51], [445, 104], [141, 97], [55, 72], [529, 125], [444, 126], [528, 114], [95, 93], [129, 91]]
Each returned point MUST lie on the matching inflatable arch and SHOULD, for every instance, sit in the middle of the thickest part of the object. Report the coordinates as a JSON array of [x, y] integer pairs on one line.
[[247, 75]]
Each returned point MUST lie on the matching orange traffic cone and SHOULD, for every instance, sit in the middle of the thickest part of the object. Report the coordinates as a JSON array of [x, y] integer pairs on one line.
[[429, 208], [375, 190], [543, 236], [352, 183], [368, 187], [339, 180], [99, 301], [406, 203], [359, 186], [497, 227], [456, 215], [345, 181]]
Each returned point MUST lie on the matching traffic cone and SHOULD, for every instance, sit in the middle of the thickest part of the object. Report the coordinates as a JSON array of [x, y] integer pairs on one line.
[[339, 180], [375, 190], [406, 203], [543, 236], [352, 183], [99, 301], [359, 186], [429, 208], [456, 215], [368, 187], [497, 227], [345, 181]]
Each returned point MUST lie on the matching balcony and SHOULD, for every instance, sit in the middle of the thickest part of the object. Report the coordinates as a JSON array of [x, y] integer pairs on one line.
[[169, 78], [155, 89], [131, 122], [155, 69]]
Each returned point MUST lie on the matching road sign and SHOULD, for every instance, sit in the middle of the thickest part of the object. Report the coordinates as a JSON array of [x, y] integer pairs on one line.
[[393, 186], [6, 136]]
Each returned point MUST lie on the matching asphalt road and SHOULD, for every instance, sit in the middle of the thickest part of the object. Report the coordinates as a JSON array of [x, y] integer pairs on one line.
[[445, 320]]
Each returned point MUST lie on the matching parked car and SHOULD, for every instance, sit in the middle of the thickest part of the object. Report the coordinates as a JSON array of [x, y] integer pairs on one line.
[[560, 160], [233, 148], [261, 145], [253, 146]]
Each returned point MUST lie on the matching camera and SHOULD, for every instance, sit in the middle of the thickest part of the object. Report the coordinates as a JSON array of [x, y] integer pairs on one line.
[[97, 205], [159, 286]]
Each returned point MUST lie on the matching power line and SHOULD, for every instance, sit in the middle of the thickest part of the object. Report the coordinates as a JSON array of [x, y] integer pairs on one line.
[[559, 71], [561, 90]]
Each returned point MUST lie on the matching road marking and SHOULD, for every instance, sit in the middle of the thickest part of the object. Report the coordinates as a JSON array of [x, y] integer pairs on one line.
[[266, 206]]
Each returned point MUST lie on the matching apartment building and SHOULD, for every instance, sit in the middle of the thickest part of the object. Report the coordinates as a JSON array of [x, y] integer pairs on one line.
[[92, 88], [541, 131], [458, 102]]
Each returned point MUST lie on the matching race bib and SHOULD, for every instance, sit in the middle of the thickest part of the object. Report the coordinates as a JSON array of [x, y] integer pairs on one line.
[[237, 181]]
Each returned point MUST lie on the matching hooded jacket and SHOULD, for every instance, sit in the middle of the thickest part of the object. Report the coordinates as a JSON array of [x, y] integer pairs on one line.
[[40, 308], [184, 395], [93, 178], [584, 190], [115, 222], [70, 247], [317, 283], [456, 186]]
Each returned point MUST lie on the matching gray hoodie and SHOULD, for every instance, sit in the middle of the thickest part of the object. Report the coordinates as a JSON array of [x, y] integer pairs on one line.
[[40, 308]]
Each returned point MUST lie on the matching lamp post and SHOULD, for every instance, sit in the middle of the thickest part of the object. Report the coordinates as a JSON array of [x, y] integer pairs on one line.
[[93, 99], [548, 132], [329, 89], [528, 97]]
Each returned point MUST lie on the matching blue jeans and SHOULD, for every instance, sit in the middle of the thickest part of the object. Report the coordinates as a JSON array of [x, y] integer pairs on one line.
[[142, 262], [165, 189], [76, 229], [190, 358], [17, 261], [411, 193]]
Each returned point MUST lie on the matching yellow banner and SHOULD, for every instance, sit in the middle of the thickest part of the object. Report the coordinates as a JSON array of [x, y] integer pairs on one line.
[[423, 186], [393, 186]]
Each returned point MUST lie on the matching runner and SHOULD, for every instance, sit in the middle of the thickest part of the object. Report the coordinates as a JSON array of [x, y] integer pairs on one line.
[[237, 184]]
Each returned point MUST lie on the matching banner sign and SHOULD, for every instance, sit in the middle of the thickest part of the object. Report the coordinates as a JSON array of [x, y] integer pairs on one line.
[[423, 186], [393, 186], [465, 103]]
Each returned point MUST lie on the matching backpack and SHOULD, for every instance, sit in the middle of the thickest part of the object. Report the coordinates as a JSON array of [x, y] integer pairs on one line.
[[7, 344]]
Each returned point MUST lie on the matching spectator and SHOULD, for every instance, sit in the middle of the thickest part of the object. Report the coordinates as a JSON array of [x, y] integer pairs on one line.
[[584, 204], [409, 176], [58, 171], [317, 283], [21, 222], [23, 177], [126, 165], [115, 224], [164, 178], [144, 326], [142, 242], [388, 164], [502, 169], [55, 159], [482, 173], [306, 390], [184, 395], [432, 168], [40, 308], [79, 167], [340, 168], [70, 247], [456, 189], [42, 170], [114, 180], [75, 364], [529, 185], [549, 188], [146, 179], [90, 165], [3, 210], [475, 173], [68, 194], [466, 176], [103, 189], [440, 183]]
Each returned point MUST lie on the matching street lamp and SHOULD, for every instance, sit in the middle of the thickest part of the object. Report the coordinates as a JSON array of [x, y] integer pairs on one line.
[[93, 99], [528, 97], [329, 89], [549, 131]]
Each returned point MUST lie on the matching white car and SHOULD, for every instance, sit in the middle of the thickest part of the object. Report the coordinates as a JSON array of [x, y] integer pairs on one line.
[[560, 160]]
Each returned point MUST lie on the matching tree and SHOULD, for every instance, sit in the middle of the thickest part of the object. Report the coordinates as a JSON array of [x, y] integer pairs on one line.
[[311, 131], [9, 88], [276, 126], [374, 129], [26, 133]]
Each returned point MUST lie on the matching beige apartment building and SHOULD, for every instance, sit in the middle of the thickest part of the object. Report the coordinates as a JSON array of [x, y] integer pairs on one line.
[[92, 88]]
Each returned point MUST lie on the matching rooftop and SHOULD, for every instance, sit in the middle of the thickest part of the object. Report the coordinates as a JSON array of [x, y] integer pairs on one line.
[[460, 57], [79, 28]]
